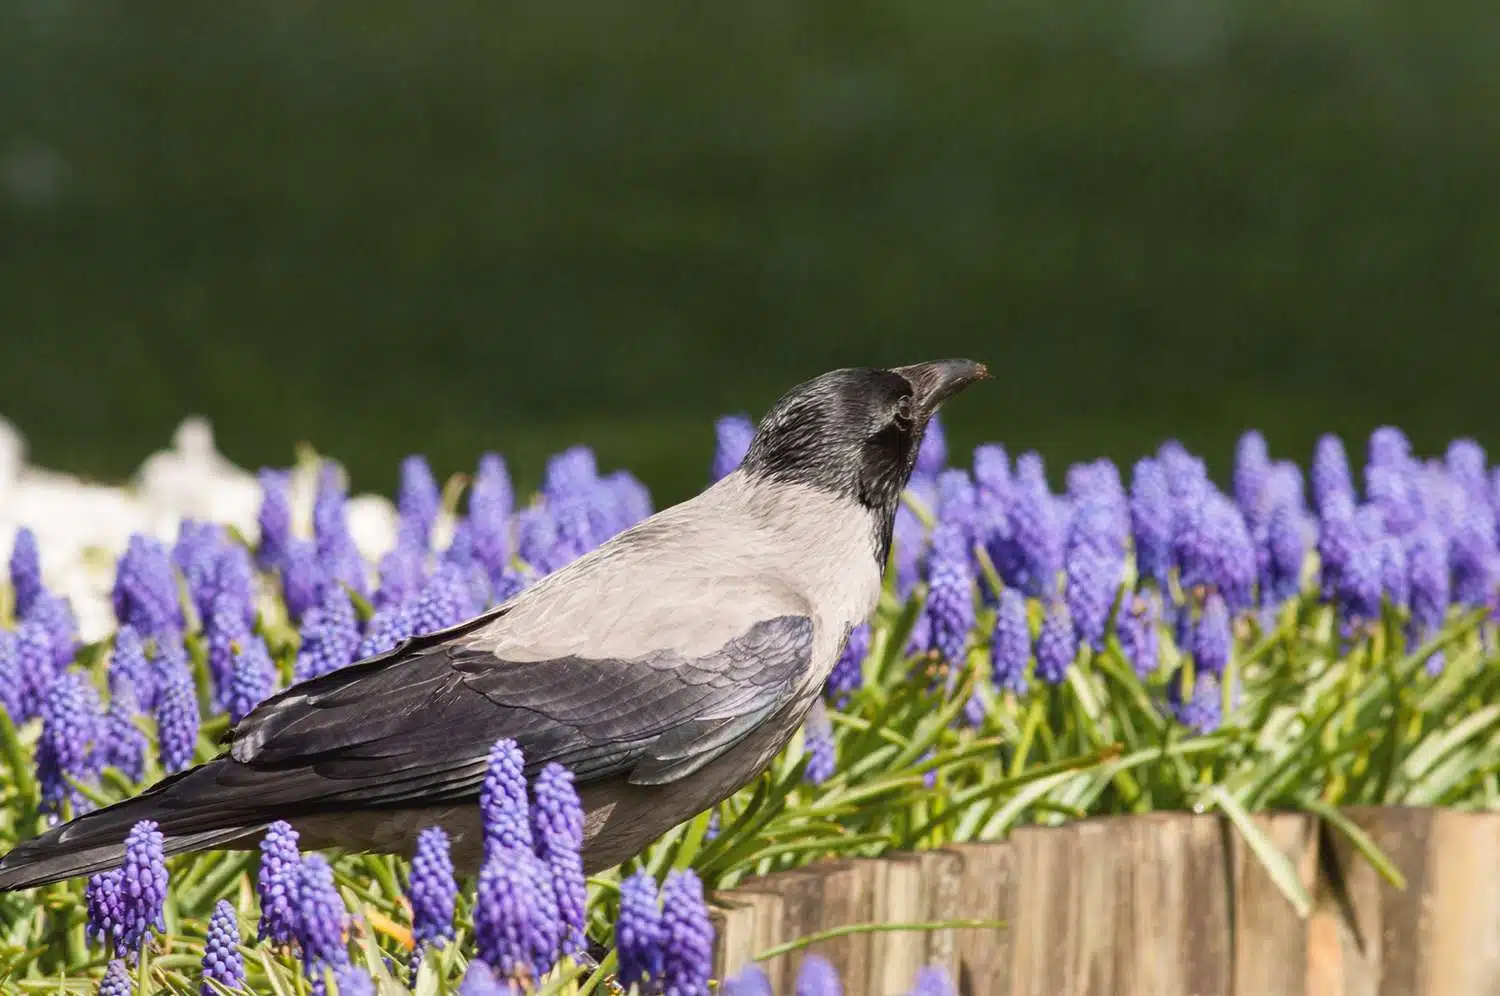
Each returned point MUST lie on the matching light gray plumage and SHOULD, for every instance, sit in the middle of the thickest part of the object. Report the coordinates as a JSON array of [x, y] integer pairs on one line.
[[666, 668]]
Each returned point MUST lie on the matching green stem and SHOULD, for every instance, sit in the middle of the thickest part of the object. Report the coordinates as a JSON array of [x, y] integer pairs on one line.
[[877, 928]]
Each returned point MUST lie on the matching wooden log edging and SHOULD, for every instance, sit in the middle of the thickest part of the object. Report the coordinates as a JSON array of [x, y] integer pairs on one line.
[[1155, 905]]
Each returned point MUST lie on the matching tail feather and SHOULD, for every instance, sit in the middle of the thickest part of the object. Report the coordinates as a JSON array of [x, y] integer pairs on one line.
[[95, 841]]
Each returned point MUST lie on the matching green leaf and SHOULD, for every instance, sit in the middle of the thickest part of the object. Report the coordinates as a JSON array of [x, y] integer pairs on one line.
[[1276, 864]]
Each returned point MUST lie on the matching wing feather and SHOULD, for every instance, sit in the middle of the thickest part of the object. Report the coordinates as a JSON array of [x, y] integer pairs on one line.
[[415, 726]]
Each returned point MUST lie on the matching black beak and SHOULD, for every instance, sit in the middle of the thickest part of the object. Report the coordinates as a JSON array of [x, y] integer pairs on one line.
[[936, 382]]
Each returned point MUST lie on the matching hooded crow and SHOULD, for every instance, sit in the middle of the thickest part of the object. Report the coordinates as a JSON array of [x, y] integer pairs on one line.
[[665, 669]]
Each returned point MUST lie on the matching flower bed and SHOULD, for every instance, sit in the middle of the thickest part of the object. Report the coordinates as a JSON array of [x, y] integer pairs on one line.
[[1036, 657]]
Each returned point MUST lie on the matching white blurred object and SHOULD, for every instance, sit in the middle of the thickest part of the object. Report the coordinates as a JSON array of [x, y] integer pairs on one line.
[[191, 480], [82, 528]]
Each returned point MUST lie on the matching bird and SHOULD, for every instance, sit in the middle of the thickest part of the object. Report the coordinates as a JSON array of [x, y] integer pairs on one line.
[[665, 669]]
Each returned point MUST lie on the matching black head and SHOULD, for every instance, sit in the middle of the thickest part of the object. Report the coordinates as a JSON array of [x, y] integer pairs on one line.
[[856, 431]]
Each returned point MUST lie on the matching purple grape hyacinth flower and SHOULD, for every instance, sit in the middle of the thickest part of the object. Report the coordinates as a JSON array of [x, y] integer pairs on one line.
[[1056, 645], [1203, 710], [992, 470], [25, 571], [1360, 581], [958, 504], [386, 629], [480, 980], [1010, 645], [143, 885], [557, 829], [277, 884], [502, 800], [432, 891], [640, 935], [145, 589], [847, 676], [1151, 521], [932, 453], [70, 730], [1466, 463], [822, 759], [222, 961], [1428, 580], [818, 977], [226, 631], [233, 579], [507, 913], [274, 518], [330, 636], [253, 681], [1473, 559], [105, 908], [491, 504], [447, 600], [1285, 553], [12, 693], [931, 981], [732, 436], [122, 745], [321, 918], [1093, 582], [950, 598], [1032, 558], [688, 947], [1139, 637], [54, 616], [303, 579], [36, 666], [418, 500], [1212, 638], [1393, 577], [130, 672], [909, 541], [1252, 468], [402, 574], [177, 716], [197, 547], [352, 980], [570, 473], [117, 980], [751, 981], [1331, 479], [1213, 550], [339, 557]]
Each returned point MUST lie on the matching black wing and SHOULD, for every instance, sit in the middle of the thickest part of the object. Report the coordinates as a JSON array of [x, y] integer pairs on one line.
[[415, 726]]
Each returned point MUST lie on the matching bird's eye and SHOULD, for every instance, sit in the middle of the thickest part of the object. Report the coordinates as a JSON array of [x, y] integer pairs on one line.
[[902, 412]]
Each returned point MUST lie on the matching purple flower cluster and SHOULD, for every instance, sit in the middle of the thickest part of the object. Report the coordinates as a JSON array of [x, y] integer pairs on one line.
[[145, 589], [432, 890], [277, 883], [222, 961], [66, 750], [530, 905], [732, 435], [123, 906], [847, 676], [822, 759], [330, 636]]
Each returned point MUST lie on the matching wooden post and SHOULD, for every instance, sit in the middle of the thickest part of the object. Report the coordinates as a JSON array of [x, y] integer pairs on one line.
[[1047, 904], [987, 891], [848, 898], [1461, 942], [1270, 939], [942, 875], [898, 896]]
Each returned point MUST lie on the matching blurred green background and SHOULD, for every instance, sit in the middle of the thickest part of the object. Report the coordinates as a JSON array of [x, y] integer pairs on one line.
[[386, 228]]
